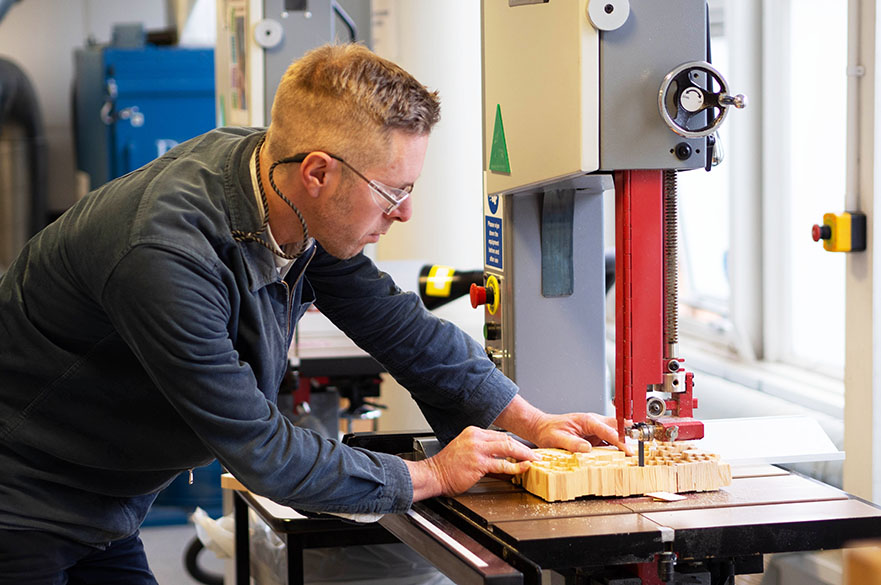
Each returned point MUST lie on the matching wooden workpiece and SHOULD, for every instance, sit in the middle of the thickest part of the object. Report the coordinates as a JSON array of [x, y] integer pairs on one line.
[[605, 471]]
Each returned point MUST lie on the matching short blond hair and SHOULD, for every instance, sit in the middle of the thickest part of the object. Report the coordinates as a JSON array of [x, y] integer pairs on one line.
[[346, 100]]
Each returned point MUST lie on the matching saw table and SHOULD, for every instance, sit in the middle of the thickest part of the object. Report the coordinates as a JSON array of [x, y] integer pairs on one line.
[[498, 533]]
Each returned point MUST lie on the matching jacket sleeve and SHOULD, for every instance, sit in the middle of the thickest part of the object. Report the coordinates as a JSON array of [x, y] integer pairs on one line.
[[174, 313], [445, 369]]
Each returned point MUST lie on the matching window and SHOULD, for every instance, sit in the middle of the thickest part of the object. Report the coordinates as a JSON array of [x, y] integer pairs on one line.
[[752, 279]]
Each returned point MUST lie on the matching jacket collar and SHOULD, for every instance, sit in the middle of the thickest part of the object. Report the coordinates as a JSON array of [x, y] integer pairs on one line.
[[244, 215]]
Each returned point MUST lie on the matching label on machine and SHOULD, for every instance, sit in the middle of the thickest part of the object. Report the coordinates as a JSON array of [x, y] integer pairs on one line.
[[492, 237], [493, 242]]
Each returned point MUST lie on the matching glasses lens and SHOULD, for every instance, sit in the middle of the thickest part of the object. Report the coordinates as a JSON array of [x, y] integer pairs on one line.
[[388, 198]]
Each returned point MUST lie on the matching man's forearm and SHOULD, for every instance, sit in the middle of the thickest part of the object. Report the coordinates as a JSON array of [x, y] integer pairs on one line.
[[520, 418], [424, 479]]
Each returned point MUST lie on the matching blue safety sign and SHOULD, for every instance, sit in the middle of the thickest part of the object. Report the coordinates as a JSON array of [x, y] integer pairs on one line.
[[493, 241]]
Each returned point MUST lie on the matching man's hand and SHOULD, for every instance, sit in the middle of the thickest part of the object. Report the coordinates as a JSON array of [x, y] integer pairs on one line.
[[574, 432], [468, 457], [577, 431]]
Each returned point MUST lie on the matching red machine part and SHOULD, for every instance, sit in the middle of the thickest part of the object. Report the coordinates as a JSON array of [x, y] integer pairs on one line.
[[639, 301], [639, 306]]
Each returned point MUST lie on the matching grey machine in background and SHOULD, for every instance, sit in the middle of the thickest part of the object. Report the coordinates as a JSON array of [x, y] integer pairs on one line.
[[258, 39]]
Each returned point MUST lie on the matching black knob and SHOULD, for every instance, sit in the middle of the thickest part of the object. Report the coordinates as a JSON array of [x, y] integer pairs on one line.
[[683, 151]]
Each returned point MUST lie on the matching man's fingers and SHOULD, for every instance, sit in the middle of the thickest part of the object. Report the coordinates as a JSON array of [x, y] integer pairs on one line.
[[573, 443], [505, 467], [502, 445], [501, 448], [612, 439], [520, 451], [611, 421], [581, 446], [604, 428], [607, 434]]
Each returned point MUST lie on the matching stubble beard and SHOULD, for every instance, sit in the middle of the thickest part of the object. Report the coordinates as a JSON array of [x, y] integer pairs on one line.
[[332, 238]]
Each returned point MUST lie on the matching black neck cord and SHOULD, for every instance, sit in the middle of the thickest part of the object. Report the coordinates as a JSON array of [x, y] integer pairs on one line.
[[242, 236]]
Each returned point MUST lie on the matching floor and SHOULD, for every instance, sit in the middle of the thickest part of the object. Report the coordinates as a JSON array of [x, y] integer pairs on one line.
[[165, 548]]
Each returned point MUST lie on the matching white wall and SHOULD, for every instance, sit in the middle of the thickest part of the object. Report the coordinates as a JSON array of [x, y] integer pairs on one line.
[[40, 37], [439, 43]]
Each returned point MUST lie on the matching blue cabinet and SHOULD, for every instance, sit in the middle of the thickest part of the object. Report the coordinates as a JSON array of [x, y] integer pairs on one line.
[[133, 104]]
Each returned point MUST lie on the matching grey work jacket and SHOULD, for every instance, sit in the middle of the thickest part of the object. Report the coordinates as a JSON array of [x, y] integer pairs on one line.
[[138, 339]]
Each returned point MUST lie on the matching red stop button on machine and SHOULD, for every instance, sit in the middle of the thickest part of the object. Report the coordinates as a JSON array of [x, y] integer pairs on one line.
[[486, 295], [478, 295]]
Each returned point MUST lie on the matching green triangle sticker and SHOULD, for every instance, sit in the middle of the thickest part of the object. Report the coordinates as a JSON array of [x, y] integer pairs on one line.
[[498, 153]]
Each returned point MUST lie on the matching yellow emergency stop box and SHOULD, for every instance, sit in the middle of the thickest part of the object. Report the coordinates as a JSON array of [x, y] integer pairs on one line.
[[842, 232]]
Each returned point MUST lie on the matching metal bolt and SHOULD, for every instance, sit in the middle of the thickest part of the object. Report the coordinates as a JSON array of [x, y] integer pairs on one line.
[[683, 151]]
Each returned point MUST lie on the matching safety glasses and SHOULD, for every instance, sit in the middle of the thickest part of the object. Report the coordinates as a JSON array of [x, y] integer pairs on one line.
[[387, 198]]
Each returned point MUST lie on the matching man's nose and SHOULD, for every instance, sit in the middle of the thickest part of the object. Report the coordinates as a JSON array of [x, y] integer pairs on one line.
[[403, 212]]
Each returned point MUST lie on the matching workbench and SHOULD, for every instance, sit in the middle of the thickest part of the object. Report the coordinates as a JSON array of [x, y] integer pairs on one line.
[[498, 533]]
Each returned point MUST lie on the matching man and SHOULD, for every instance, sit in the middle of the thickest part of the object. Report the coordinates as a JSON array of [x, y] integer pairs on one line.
[[146, 331]]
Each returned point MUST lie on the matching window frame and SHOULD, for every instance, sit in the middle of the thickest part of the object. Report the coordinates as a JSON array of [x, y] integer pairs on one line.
[[753, 346]]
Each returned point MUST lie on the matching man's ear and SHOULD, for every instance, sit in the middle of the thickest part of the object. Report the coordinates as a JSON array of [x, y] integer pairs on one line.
[[315, 172]]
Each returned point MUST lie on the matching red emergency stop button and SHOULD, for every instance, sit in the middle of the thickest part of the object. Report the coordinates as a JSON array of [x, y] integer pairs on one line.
[[478, 295], [486, 295], [821, 232]]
